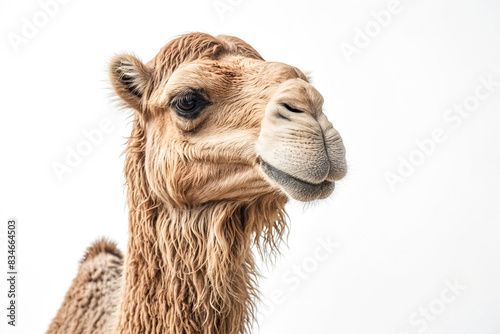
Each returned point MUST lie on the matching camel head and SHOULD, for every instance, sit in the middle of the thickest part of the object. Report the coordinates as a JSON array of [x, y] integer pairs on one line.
[[220, 123]]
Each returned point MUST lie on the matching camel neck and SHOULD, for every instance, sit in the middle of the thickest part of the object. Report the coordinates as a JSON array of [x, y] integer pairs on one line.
[[191, 270], [188, 271]]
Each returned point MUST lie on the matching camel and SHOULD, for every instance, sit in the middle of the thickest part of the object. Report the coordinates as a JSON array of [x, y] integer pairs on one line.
[[221, 140]]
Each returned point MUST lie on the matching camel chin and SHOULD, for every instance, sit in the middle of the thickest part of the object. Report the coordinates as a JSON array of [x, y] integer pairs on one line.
[[295, 188]]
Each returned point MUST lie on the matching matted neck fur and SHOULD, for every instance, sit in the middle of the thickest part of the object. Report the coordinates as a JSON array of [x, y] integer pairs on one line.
[[220, 140]]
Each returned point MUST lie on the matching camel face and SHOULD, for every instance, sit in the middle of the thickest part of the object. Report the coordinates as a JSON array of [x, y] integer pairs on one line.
[[221, 123]]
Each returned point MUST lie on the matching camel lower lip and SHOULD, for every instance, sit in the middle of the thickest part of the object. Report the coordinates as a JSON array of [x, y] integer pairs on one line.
[[296, 188]]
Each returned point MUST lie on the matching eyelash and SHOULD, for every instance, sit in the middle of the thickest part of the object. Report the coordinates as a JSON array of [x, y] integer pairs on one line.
[[184, 97]]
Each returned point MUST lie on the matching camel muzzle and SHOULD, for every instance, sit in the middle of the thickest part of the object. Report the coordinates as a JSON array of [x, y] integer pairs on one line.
[[300, 150]]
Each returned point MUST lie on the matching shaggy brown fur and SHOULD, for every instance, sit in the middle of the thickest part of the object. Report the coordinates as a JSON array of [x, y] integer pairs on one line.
[[191, 269], [203, 188], [91, 299]]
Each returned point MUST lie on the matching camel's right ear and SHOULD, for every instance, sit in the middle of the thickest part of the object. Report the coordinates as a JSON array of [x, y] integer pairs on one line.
[[130, 79]]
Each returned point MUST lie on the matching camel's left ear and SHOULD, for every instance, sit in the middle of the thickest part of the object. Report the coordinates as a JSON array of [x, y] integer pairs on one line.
[[130, 79]]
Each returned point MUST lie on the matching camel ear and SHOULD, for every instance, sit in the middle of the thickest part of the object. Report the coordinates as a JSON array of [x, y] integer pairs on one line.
[[130, 79]]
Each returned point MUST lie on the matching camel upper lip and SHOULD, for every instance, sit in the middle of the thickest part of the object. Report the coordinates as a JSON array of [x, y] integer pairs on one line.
[[297, 188]]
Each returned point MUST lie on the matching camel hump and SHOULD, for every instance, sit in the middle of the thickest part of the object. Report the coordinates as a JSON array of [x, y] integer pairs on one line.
[[102, 246], [90, 302]]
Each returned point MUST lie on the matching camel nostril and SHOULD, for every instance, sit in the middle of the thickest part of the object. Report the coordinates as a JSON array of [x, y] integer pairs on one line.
[[281, 116], [292, 109]]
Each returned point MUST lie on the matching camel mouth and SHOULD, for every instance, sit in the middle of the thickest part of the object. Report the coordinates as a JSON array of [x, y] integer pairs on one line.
[[298, 189]]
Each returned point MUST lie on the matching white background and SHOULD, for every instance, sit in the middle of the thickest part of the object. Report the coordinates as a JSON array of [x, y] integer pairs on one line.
[[397, 248]]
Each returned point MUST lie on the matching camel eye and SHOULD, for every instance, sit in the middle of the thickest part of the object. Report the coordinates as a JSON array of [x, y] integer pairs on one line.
[[186, 104], [189, 105]]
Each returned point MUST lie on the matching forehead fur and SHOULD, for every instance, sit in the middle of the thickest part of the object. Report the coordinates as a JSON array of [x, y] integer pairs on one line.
[[193, 46]]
